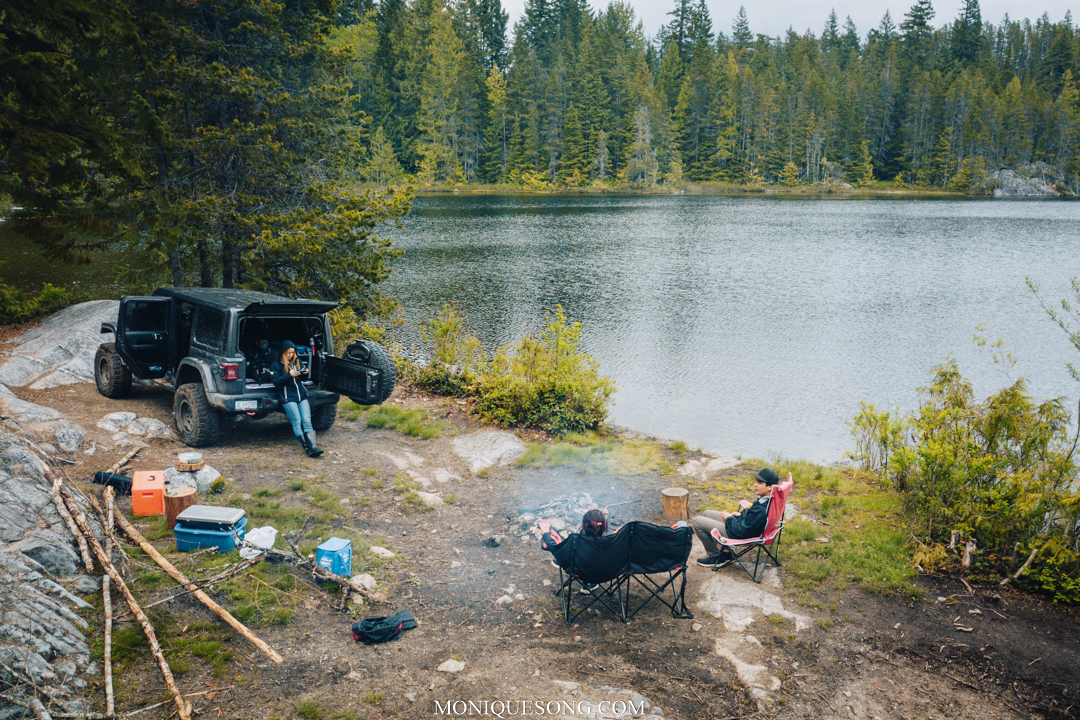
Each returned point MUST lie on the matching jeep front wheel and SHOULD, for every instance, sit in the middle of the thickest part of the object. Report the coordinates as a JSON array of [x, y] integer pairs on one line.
[[197, 423], [322, 417], [113, 378]]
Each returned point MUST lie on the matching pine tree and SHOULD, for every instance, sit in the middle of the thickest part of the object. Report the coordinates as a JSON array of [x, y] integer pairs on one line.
[[741, 37], [440, 120], [602, 157], [497, 130], [574, 156], [966, 40], [917, 33], [383, 168]]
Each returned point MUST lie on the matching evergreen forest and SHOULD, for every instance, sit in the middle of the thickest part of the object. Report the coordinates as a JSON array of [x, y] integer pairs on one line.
[[570, 97], [261, 144]]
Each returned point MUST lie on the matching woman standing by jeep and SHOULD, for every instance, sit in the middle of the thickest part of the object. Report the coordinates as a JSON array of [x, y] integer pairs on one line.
[[287, 376]]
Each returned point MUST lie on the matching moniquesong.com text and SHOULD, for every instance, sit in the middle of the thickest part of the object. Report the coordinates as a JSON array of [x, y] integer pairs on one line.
[[537, 708]]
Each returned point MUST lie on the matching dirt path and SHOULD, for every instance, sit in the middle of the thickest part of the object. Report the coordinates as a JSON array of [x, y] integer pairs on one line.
[[751, 651]]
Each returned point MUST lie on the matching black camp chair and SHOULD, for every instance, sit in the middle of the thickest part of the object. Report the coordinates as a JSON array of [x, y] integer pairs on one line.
[[602, 570]]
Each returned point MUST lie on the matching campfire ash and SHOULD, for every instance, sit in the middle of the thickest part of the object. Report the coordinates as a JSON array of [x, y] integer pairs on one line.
[[564, 513]]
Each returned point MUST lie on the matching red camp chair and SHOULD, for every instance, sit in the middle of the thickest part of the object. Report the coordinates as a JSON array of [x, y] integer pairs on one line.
[[774, 526]]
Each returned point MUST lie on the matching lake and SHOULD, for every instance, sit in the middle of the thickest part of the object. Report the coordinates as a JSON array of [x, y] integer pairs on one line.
[[754, 327]]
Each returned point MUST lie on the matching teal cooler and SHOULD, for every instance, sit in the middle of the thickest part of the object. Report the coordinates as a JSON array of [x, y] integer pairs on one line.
[[206, 526], [335, 555]]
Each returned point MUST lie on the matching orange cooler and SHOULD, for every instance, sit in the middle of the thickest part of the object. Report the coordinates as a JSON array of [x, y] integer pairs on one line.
[[148, 492]]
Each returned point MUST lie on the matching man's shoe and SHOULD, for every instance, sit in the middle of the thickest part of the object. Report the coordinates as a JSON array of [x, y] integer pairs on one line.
[[711, 561]]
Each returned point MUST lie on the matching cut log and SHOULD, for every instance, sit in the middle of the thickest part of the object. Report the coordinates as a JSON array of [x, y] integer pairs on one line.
[[176, 501], [144, 622], [61, 508], [205, 599], [116, 466], [190, 467], [675, 502], [106, 594]]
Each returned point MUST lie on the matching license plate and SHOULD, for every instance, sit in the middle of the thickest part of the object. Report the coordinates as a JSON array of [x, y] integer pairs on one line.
[[247, 404]]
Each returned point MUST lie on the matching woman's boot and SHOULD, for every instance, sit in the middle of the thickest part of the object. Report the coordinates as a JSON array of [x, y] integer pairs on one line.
[[304, 442], [312, 449]]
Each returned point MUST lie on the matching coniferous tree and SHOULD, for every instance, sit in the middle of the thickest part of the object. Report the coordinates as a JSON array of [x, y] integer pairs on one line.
[[383, 168]]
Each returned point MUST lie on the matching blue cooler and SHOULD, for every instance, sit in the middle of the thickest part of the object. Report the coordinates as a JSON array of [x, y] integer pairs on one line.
[[205, 526], [335, 555]]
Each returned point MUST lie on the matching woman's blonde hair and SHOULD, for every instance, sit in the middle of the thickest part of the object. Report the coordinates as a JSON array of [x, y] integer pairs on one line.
[[295, 364]]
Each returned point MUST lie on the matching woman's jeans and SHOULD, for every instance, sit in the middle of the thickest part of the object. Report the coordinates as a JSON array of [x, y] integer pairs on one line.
[[299, 415]]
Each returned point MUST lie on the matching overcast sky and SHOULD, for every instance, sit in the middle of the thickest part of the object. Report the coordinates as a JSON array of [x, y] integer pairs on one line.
[[773, 17]]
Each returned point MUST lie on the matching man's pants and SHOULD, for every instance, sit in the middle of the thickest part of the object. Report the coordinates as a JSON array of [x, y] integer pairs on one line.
[[703, 526]]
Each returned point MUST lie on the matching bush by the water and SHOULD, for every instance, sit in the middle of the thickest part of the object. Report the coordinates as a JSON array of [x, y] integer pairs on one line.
[[543, 382], [457, 357], [19, 306], [546, 382], [1001, 472]]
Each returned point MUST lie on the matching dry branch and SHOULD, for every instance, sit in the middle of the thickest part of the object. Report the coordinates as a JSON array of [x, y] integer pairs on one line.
[[317, 570], [61, 508], [119, 463], [106, 593], [206, 600], [1023, 568], [147, 627]]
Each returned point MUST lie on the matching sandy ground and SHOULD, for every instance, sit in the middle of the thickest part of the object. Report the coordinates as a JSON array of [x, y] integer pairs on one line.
[[751, 651]]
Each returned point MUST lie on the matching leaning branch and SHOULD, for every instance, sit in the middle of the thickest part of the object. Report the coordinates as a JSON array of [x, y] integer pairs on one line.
[[206, 600], [147, 627], [61, 508], [1023, 568]]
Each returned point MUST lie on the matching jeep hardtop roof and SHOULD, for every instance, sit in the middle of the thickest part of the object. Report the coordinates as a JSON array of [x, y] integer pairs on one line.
[[250, 301]]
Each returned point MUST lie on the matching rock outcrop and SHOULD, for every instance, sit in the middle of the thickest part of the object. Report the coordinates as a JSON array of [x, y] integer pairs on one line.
[[43, 646], [1028, 180], [61, 350]]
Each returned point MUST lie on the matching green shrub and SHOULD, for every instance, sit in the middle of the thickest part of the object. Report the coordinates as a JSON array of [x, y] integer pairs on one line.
[[456, 356], [19, 306], [1000, 471], [545, 383]]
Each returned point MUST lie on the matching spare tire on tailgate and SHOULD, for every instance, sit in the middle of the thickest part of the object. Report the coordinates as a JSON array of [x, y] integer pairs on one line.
[[376, 356]]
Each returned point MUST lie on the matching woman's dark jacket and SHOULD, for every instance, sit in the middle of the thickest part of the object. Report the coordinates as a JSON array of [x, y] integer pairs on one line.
[[292, 389], [750, 523]]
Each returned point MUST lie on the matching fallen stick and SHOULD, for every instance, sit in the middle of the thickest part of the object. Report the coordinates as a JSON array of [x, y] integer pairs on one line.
[[147, 627], [206, 600], [61, 508], [1023, 568], [119, 463], [317, 570], [239, 567], [151, 707], [106, 593], [39, 710]]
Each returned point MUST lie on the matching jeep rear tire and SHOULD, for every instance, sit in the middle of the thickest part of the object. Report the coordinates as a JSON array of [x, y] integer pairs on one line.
[[112, 376], [322, 417], [197, 422], [375, 355]]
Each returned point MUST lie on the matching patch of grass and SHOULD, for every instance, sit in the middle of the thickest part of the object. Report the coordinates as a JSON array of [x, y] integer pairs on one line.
[[308, 709], [776, 619], [267, 492], [297, 486], [156, 529], [378, 483], [151, 580], [450, 498], [680, 447], [413, 503], [594, 453], [128, 642], [409, 422], [325, 500], [403, 486], [373, 698], [867, 544], [371, 472], [178, 667]]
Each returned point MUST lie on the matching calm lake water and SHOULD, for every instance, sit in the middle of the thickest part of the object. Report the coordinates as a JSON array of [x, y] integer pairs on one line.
[[754, 327]]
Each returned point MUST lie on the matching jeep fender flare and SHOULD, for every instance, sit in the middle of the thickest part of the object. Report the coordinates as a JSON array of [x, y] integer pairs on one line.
[[192, 370]]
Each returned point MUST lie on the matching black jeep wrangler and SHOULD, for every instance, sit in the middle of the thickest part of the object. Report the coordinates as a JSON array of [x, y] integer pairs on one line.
[[215, 346]]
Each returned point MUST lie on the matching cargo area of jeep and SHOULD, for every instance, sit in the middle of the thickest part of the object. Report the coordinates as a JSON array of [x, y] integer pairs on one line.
[[215, 347]]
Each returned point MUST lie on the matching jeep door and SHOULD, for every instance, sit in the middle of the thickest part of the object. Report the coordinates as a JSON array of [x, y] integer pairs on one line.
[[142, 335]]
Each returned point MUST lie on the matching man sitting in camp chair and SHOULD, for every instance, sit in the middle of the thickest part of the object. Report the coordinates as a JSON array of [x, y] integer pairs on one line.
[[747, 523]]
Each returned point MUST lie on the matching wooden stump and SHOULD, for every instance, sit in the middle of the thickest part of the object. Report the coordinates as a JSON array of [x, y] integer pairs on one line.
[[176, 501], [676, 502]]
